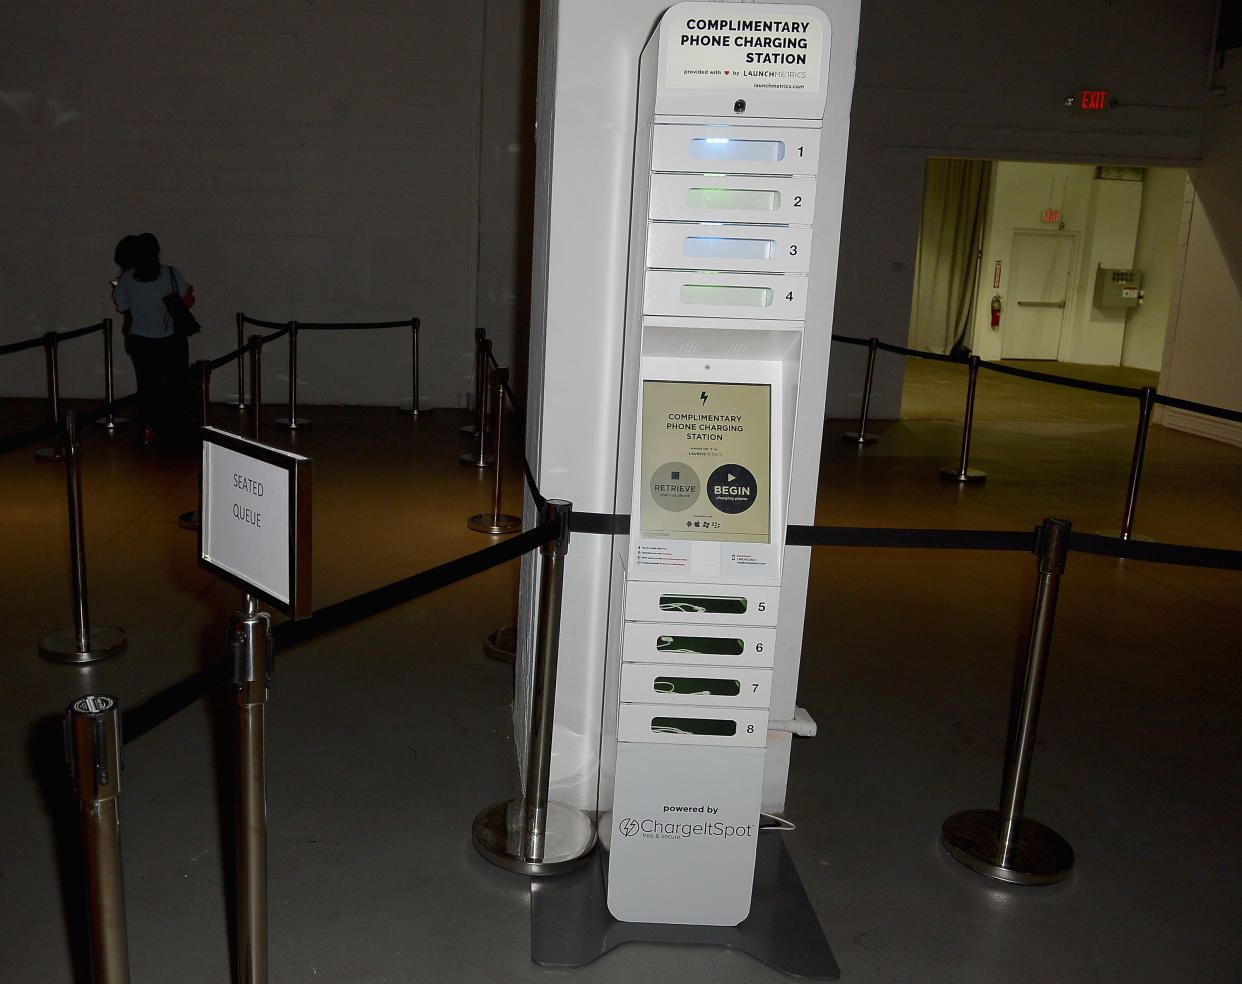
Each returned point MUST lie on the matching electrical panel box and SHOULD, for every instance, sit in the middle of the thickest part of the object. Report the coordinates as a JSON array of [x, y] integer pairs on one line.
[[1116, 288]]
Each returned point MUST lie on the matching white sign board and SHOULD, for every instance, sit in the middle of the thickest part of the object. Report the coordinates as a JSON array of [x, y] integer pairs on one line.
[[745, 48], [255, 519]]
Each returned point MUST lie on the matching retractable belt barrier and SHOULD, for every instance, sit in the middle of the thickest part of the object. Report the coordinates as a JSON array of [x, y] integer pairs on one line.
[[962, 473]]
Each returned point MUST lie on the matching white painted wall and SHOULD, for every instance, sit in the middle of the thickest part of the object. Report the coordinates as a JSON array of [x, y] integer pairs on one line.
[[985, 80], [1203, 347], [1156, 255], [318, 161], [1020, 193]]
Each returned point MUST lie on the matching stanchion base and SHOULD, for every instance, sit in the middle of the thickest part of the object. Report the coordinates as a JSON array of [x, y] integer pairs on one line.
[[494, 523], [415, 411], [471, 430], [569, 838], [49, 454], [853, 437], [570, 925], [476, 461], [502, 644], [295, 423], [61, 646], [114, 423], [1038, 855], [189, 520], [951, 474]]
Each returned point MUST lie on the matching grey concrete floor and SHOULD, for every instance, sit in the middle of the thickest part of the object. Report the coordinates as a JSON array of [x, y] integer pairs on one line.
[[386, 738]]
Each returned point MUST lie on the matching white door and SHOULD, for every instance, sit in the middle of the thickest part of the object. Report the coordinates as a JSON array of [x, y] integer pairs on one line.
[[1038, 284]]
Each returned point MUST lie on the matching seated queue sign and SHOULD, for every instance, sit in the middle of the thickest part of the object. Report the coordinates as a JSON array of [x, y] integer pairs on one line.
[[255, 519]]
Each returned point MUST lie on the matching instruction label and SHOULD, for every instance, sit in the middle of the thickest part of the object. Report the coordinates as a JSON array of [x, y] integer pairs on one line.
[[781, 49], [706, 461]]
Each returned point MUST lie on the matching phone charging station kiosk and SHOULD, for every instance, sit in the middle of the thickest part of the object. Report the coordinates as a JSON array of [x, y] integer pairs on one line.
[[739, 137]]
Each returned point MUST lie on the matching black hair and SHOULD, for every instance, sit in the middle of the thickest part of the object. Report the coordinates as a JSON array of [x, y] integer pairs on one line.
[[125, 252]]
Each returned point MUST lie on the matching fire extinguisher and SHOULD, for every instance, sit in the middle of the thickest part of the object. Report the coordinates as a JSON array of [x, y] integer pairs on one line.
[[996, 309]]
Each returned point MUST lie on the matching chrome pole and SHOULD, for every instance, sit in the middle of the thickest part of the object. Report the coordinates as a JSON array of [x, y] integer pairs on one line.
[[250, 646], [1146, 401], [255, 345], [479, 458], [1002, 843], [415, 409], [963, 472], [532, 835], [110, 421], [293, 421], [480, 364], [51, 352], [861, 436], [496, 521], [93, 751], [241, 375], [204, 392], [79, 643]]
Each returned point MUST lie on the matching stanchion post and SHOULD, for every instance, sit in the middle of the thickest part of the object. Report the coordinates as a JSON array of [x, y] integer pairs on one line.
[[861, 436], [241, 374], [255, 348], [415, 409], [51, 354], [250, 646], [963, 472], [78, 643], [1147, 400], [202, 375], [531, 835], [478, 458], [496, 521], [480, 364], [293, 421], [93, 751], [110, 421], [1003, 843]]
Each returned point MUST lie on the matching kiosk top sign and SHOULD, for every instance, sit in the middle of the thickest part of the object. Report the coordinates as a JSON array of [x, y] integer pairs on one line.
[[254, 525], [773, 55]]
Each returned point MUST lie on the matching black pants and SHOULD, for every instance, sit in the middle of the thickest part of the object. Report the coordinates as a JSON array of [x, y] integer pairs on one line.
[[162, 368]]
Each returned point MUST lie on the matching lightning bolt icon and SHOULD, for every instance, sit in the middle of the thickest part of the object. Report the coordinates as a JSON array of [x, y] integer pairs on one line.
[[703, 397]]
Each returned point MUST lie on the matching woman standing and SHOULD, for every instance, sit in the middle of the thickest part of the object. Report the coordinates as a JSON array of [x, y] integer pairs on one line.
[[160, 356]]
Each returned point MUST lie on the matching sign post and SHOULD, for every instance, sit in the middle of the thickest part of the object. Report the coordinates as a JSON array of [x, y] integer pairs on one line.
[[255, 533]]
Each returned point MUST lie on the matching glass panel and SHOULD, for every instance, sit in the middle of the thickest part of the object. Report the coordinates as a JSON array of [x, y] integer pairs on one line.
[[703, 645], [709, 604], [728, 149], [697, 686], [740, 199], [693, 726], [722, 247], [731, 296]]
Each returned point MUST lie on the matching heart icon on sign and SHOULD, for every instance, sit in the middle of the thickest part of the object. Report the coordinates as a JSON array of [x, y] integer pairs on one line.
[[726, 71]]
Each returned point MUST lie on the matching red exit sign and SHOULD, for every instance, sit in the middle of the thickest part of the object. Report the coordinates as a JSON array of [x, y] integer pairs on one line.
[[1093, 99], [1052, 215]]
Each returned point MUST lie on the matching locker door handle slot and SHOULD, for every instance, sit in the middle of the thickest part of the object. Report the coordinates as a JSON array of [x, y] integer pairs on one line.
[[697, 686], [727, 149], [694, 726], [705, 604], [703, 645], [724, 247], [721, 294], [739, 199]]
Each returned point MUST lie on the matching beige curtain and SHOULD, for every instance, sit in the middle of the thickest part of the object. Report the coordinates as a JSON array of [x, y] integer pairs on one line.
[[955, 195]]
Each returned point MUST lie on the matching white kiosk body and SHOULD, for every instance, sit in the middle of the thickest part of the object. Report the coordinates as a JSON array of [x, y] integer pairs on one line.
[[717, 370]]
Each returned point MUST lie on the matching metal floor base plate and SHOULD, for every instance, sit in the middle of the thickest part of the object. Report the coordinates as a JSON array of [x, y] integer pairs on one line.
[[571, 925]]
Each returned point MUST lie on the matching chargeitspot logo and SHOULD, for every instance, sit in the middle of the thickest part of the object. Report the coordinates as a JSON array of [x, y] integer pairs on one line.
[[664, 830]]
